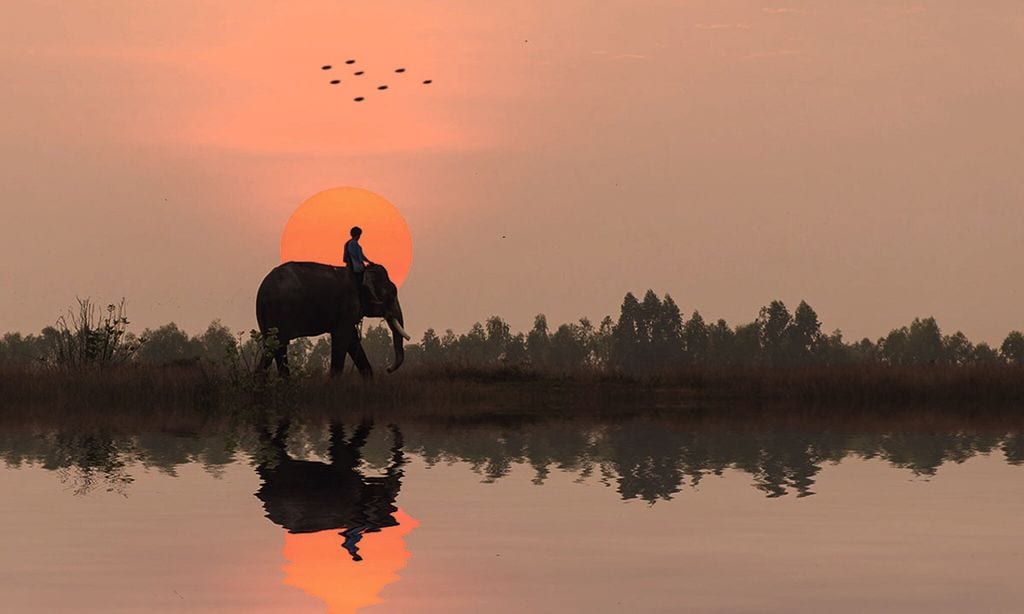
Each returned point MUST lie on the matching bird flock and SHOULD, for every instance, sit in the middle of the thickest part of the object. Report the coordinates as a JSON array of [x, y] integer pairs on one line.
[[359, 73]]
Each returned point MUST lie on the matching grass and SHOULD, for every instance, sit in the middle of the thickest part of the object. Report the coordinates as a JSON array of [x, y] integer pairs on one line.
[[206, 389]]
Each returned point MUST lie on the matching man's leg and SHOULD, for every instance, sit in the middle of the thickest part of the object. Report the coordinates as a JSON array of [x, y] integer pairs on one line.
[[368, 282]]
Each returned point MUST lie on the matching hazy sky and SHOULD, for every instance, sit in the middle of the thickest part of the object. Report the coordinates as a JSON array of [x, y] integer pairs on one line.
[[863, 155]]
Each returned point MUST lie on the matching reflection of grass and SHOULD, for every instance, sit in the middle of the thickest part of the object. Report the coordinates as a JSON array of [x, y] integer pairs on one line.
[[207, 389]]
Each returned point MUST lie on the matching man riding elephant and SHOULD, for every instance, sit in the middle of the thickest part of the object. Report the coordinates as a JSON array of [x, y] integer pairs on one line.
[[356, 261]]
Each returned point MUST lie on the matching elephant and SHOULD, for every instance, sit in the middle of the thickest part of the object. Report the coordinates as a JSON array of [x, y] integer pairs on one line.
[[302, 299]]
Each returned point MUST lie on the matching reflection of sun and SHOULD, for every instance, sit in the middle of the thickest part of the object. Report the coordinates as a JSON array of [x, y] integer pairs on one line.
[[320, 566], [318, 229]]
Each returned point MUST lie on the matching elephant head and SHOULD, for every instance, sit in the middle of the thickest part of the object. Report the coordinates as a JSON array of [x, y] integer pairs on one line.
[[388, 308]]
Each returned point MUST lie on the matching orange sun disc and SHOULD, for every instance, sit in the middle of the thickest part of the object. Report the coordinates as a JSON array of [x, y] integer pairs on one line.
[[319, 228]]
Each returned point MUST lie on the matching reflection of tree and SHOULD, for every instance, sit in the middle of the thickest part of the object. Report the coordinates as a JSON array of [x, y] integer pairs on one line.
[[646, 460], [1013, 448], [787, 461], [85, 461], [925, 453], [650, 459]]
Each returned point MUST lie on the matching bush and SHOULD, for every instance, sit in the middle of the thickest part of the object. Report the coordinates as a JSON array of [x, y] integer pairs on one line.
[[85, 338]]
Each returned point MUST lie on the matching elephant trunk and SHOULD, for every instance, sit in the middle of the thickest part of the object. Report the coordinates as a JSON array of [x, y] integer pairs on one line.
[[399, 335]]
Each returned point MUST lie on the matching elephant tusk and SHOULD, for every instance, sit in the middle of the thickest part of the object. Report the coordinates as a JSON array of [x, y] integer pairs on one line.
[[398, 328]]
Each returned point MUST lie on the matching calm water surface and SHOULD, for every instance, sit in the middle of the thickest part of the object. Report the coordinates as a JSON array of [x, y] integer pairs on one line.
[[638, 515]]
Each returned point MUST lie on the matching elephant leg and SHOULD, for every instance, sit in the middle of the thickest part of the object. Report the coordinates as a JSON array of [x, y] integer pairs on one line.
[[397, 457], [281, 358], [358, 354], [361, 434], [340, 340]]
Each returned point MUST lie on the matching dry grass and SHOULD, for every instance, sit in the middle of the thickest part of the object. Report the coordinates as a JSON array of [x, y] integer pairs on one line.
[[183, 393]]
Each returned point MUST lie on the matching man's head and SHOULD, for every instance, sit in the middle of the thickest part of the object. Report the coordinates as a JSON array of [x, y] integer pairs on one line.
[[356, 232]]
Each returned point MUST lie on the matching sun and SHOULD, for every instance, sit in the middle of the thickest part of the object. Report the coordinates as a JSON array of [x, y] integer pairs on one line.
[[319, 227]]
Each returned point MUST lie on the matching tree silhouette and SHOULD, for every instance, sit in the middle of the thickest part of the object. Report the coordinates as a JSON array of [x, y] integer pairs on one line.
[[1012, 348], [538, 343], [804, 335], [721, 343], [666, 333], [167, 344], [626, 337], [773, 326], [924, 342], [957, 349], [696, 339], [649, 337]]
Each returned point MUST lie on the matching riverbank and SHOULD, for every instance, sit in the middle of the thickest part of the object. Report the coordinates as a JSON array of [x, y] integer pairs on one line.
[[196, 387]]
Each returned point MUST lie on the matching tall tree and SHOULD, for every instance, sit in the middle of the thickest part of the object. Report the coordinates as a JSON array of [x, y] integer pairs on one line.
[[721, 343], [538, 343], [894, 348], [378, 345], [568, 349], [650, 313], [1012, 348], [696, 338], [804, 334], [773, 325], [924, 342], [515, 351], [626, 336], [216, 342], [747, 344], [499, 333], [601, 343], [666, 334], [472, 347], [865, 351], [167, 344], [431, 348], [957, 350], [985, 355]]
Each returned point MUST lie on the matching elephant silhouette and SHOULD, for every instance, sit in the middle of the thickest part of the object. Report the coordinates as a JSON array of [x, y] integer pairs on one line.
[[305, 496]]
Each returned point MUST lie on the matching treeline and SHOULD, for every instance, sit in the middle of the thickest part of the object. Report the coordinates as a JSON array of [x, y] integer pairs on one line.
[[650, 336]]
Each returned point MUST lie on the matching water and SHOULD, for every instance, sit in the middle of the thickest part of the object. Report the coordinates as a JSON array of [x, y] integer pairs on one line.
[[631, 515]]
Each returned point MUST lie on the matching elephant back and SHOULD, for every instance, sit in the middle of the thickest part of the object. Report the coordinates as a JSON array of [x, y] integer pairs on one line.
[[304, 298]]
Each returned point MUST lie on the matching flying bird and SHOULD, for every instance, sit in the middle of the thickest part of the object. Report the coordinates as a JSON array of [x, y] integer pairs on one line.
[[359, 73]]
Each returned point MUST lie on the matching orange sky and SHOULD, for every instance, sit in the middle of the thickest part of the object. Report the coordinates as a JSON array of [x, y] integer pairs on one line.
[[864, 156]]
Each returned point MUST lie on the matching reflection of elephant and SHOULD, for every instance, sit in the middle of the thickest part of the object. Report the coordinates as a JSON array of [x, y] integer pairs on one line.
[[310, 496], [302, 299]]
